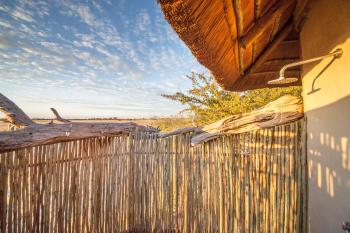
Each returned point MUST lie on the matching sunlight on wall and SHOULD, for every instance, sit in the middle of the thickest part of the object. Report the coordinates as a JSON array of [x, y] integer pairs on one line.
[[330, 175], [328, 113], [344, 153], [325, 175], [319, 175]]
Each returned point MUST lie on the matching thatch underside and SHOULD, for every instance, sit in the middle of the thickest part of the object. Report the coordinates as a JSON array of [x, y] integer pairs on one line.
[[243, 43]]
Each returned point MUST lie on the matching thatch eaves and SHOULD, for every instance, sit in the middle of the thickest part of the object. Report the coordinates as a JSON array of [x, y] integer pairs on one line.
[[244, 43]]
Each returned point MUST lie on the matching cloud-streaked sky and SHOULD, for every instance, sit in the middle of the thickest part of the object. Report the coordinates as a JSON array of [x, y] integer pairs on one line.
[[91, 58]]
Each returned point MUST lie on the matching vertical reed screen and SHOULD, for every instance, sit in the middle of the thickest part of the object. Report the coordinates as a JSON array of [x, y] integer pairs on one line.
[[250, 182]]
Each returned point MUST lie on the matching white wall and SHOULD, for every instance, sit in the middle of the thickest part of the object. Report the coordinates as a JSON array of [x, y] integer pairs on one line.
[[327, 108]]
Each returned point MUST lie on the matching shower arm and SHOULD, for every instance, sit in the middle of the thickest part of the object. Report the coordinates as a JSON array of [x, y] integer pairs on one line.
[[336, 54]]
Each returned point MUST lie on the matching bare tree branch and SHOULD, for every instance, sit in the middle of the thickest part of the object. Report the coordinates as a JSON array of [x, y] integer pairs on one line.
[[58, 117], [13, 113]]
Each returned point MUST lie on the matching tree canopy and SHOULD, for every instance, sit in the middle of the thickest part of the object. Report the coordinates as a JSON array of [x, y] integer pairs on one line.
[[208, 102]]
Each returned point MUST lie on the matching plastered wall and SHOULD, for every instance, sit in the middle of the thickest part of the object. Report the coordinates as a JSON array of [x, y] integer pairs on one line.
[[326, 93]]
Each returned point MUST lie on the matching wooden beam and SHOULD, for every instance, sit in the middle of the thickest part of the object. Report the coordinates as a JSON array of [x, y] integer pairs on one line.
[[264, 22], [300, 13], [265, 55], [292, 73], [279, 61], [275, 65], [13, 113], [239, 27], [58, 117]]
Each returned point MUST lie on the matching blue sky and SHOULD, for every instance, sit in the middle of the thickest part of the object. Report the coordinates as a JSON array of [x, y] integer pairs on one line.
[[91, 58]]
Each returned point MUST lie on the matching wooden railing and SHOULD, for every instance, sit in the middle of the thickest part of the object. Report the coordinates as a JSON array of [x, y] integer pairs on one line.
[[247, 182]]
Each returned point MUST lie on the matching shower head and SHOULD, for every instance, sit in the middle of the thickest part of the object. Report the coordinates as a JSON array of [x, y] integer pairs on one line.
[[282, 80]]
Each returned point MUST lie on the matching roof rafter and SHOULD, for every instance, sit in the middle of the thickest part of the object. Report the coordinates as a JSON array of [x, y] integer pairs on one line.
[[267, 52], [264, 22]]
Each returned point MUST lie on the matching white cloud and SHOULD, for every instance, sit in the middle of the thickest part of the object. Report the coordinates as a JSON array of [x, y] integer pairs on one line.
[[86, 15], [170, 84], [44, 11], [83, 12], [85, 40], [108, 35], [3, 8], [88, 81], [85, 51], [111, 37], [25, 29], [144, 20], [20, 14], [97, 6], [5, 24], [104, 51]]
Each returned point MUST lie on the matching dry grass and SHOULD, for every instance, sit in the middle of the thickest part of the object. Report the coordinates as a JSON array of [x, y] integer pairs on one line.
[[164, 124]]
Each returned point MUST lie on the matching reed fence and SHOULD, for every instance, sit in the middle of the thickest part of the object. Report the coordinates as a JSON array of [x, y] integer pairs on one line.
[[249, 182]]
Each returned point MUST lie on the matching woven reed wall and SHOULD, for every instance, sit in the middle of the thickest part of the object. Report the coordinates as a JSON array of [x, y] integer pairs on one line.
[[251, 182]]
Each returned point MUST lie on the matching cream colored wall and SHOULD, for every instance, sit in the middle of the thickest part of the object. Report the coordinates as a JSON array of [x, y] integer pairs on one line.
[[326, 92]]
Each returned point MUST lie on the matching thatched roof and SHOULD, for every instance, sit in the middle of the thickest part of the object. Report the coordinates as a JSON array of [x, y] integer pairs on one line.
[[243, 43]]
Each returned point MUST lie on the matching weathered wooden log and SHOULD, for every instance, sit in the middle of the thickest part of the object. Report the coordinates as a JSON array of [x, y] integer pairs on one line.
[[38, 134], [180, 131], [13, 113], [283, 110], [58, 117]]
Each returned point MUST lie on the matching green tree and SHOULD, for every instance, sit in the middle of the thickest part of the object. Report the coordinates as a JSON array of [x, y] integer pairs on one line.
[[209, 102]]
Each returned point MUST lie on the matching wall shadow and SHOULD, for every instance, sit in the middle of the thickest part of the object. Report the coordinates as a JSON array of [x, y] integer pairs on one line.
[[328, 148]]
